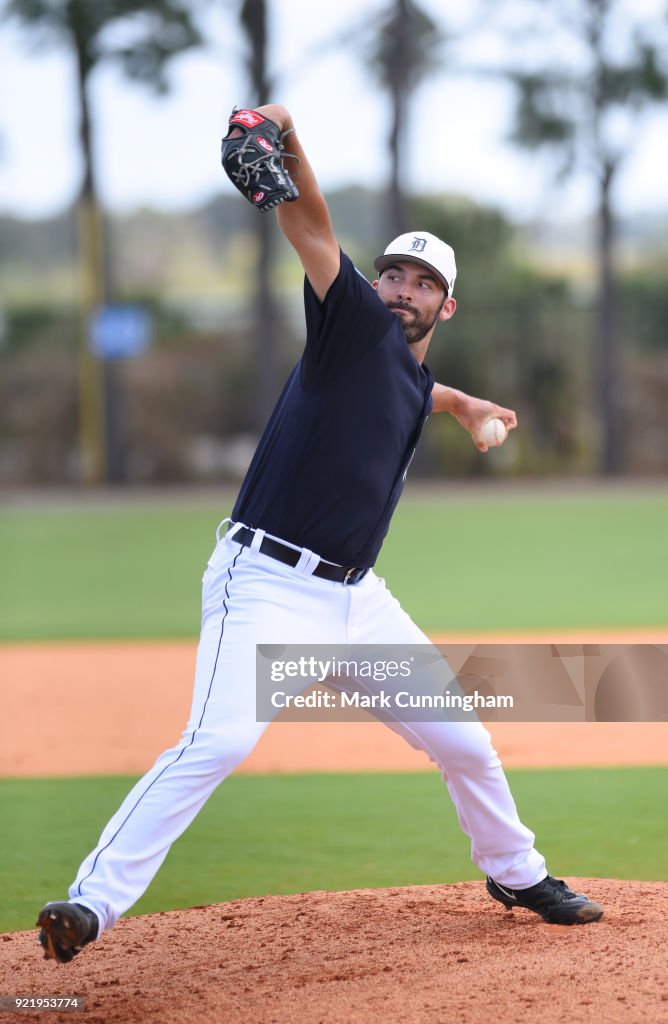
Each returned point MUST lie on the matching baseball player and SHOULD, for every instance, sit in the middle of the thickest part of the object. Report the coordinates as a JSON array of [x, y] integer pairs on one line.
[[296, 563]]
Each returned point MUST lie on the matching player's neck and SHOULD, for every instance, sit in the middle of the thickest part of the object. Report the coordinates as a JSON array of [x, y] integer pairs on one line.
[[419, 348]]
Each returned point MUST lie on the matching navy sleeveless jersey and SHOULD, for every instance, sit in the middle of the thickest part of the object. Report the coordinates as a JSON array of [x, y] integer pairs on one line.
[[330, 467]]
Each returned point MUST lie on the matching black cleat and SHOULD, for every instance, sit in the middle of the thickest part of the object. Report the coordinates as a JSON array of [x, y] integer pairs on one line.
[[65, 928], [551, 898]]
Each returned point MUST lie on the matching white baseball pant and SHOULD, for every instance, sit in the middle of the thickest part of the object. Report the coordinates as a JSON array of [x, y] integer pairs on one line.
[[250, 598]]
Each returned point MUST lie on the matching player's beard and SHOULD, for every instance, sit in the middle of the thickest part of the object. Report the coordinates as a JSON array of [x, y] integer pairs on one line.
[[421, 323]]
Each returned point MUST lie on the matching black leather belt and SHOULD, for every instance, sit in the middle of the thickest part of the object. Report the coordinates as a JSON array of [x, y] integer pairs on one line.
[[289, 556]]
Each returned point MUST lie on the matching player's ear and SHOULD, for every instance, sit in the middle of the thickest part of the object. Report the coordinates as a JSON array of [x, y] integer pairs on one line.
[[448, 309], [374, 284]]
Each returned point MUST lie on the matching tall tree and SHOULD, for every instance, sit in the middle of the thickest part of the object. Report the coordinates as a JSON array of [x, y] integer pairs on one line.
[[254, 21], [587, 109], [401, 53], [152, 32]]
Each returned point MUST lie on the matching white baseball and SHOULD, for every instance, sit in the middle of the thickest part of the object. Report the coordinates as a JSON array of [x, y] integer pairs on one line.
[[493, 433]]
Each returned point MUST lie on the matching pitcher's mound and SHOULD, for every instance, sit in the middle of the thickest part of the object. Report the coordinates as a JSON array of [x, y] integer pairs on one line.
[[439, 953]]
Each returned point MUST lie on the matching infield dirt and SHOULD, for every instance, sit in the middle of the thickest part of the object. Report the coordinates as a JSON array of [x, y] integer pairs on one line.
[[127, 702]]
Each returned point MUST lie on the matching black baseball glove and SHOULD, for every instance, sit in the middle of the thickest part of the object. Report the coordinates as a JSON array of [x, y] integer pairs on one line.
[[253, 160]]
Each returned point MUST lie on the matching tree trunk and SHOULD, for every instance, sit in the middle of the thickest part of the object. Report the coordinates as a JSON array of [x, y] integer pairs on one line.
[[398, 214], [266, 313], [607, 347], [266, 318], [398, 80], [92, 293]]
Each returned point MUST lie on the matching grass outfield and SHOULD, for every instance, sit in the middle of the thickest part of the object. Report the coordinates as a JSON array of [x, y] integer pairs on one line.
[[489, 561], [284, 834]]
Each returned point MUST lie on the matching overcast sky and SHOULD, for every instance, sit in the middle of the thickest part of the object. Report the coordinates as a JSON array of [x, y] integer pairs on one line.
[[165, 152]]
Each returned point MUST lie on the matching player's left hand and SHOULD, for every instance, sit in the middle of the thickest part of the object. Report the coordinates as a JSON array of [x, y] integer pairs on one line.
[[252, 154], [473, 412]]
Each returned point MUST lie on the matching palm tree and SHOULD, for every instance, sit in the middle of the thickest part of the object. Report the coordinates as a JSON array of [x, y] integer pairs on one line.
[[572, 111], [401, 54], [155, 31]]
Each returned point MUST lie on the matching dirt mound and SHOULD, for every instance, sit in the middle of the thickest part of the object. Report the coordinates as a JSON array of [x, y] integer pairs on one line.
[[423, 953]]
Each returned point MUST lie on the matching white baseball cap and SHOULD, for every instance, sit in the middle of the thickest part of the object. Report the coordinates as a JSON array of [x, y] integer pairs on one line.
[[421, 247]]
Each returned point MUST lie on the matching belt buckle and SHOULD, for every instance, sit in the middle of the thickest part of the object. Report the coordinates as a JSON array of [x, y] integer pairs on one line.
[[346, 578]]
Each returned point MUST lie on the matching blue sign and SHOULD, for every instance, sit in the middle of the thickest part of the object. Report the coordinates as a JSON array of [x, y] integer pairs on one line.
[[119, 332]]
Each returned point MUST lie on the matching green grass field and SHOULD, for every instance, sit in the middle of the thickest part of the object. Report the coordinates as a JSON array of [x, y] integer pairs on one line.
[[485, 561], [283, 834]]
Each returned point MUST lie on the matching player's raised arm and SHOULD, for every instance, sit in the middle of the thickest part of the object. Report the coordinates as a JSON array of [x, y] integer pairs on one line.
[[261, 155]]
